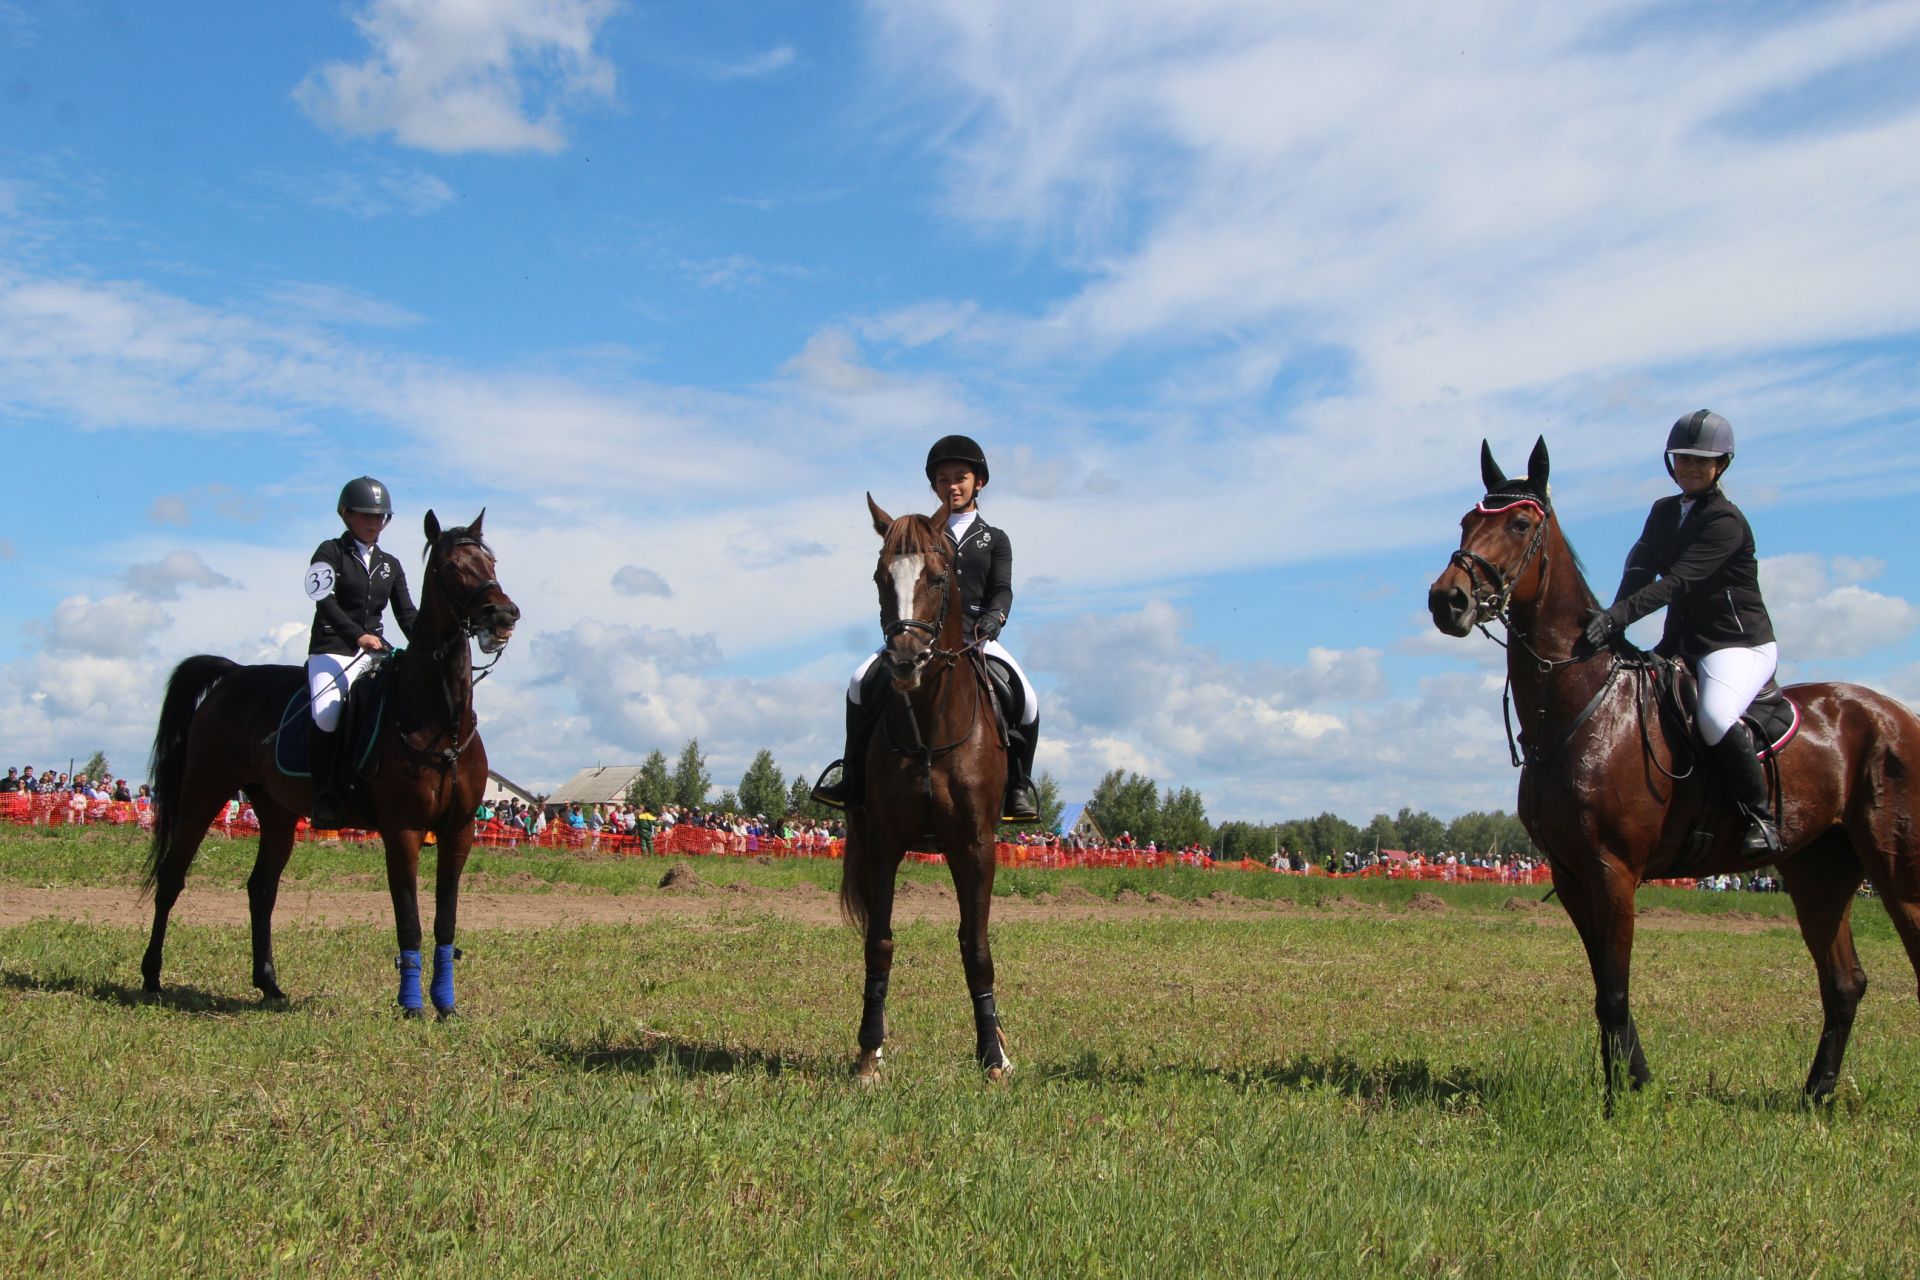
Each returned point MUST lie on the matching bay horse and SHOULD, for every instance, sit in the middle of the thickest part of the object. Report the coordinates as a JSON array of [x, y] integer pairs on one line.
[[1608, 794], [218, 726], [936, 766]]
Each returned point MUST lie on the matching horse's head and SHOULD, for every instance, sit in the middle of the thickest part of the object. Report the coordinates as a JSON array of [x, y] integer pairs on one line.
[[1500, 539], [917, 592], [459, 578]]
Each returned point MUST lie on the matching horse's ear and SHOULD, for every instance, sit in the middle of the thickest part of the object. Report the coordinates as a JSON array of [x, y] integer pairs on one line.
[[474, 528], [1490, 473], [881, 520], [1537, 464], [433, 527]]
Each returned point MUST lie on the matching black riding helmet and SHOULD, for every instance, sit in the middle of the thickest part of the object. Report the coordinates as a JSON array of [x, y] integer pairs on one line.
[[365, 495], [957, 449], [1701, 434]]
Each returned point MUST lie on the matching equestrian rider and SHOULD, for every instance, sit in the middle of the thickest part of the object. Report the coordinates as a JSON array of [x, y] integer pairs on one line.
[[983, 564], [1695, 557], [351, 581]]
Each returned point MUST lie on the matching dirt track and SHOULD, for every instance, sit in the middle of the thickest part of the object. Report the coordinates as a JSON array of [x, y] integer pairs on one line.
[[485, 908]]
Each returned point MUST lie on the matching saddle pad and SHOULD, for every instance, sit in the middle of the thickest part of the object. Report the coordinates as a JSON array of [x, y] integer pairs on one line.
[[1775, 720], [293, 745]]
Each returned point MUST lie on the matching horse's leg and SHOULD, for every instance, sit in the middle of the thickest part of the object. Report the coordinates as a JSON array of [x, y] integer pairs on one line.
[[403, 883], [456, 842], [1603, 911], [1823, 879], [882, 866], [263, 889], [197, 812], [973, 885]]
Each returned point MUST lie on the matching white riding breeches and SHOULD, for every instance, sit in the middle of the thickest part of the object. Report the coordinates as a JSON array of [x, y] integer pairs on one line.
[[329, 676], [1729, 679], [993, 649]]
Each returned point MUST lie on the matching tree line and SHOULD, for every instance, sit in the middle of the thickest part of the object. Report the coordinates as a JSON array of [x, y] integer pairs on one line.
[[1176, 818]]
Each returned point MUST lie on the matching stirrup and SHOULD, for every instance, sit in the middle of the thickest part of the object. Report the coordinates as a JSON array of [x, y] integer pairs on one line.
[[1760, 837], [1020, 804], [837, 794]]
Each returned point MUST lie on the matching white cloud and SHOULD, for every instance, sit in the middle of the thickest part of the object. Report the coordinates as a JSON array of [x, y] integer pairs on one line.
[[1821, 612], [756, 66], [121, 626], [373, 193], [162, 579], [466, 75], [632, 580], [339, 304]]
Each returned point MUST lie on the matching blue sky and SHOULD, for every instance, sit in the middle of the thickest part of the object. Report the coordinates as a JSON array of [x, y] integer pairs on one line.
[[1229, 290]]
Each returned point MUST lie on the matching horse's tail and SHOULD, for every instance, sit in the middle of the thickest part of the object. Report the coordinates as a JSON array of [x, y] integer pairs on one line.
[[191, 681], [853, 873]]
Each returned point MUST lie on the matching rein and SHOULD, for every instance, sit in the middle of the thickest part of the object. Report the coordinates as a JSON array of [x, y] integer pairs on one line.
[[948, 660], [1495, 600], [464, 629]]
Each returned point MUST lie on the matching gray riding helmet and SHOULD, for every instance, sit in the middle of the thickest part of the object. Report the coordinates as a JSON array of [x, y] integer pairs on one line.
[[366, 495], [1700, 434]]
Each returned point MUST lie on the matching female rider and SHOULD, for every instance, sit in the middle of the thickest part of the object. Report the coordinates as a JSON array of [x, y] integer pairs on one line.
[[1695, 557], [351, 581], [983, 563]]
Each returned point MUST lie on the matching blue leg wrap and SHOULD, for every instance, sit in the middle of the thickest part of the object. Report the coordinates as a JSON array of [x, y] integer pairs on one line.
[[408, 963], [443, 957]]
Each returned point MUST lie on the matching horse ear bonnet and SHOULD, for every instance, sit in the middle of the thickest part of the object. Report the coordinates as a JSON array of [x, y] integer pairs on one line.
[[1504, 491]]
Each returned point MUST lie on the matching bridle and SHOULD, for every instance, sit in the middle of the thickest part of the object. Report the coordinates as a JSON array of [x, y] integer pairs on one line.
[[1492, 600], [466, 626], [920, 749], [1495, 600]]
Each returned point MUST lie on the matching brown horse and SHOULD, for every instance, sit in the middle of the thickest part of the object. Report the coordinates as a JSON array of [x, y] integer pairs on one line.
[[218, 726], [936, 768], [1607, 792]]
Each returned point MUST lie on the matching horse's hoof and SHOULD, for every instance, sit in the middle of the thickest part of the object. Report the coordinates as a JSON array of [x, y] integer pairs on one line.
[[151, 986], [866, 1069], [269, 991], [445, 1015], [1000, 1074], [413, 1015]]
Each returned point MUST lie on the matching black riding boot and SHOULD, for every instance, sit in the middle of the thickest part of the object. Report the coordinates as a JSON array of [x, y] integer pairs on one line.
[[1022, 803], [329, 809], [852, 783], [1739, 765]]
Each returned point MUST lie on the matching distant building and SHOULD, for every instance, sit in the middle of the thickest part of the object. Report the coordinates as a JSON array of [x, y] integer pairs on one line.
[[602, 784], [501, 788], [1075, 819]]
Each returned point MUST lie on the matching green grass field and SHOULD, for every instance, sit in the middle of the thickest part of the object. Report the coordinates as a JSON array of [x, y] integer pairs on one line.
[[1328, 1091]]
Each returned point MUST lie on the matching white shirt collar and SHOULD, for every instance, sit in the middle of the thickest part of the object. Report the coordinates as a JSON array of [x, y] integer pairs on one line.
[[960, 522]]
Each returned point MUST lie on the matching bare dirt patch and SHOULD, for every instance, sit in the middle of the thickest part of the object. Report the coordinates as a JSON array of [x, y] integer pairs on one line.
[[1427, 902], [123, 905]]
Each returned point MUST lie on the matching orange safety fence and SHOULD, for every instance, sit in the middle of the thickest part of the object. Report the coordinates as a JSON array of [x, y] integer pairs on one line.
[[682, 840]]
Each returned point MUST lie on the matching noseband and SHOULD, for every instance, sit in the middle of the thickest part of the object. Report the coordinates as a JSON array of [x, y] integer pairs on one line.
[[1492, 598], [469, 627], [939, 623]]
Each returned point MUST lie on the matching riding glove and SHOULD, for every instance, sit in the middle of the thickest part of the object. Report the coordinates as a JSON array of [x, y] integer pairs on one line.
[[1603, 625], [988, 626]]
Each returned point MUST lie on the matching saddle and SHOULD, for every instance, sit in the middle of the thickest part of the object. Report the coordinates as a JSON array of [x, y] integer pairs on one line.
[[362, 715], [1772, 716], [1774, 721]]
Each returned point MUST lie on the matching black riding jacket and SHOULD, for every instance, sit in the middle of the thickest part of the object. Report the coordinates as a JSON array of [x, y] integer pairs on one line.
[[349, 597], [1703, 571], [984, 564]]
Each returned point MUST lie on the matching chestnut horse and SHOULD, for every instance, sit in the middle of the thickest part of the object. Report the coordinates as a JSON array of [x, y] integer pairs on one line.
[[936, 766], [217, 733], [1607, 793]]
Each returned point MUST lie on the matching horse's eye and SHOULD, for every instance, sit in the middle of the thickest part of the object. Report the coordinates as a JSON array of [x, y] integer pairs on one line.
[[1519, 524]]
